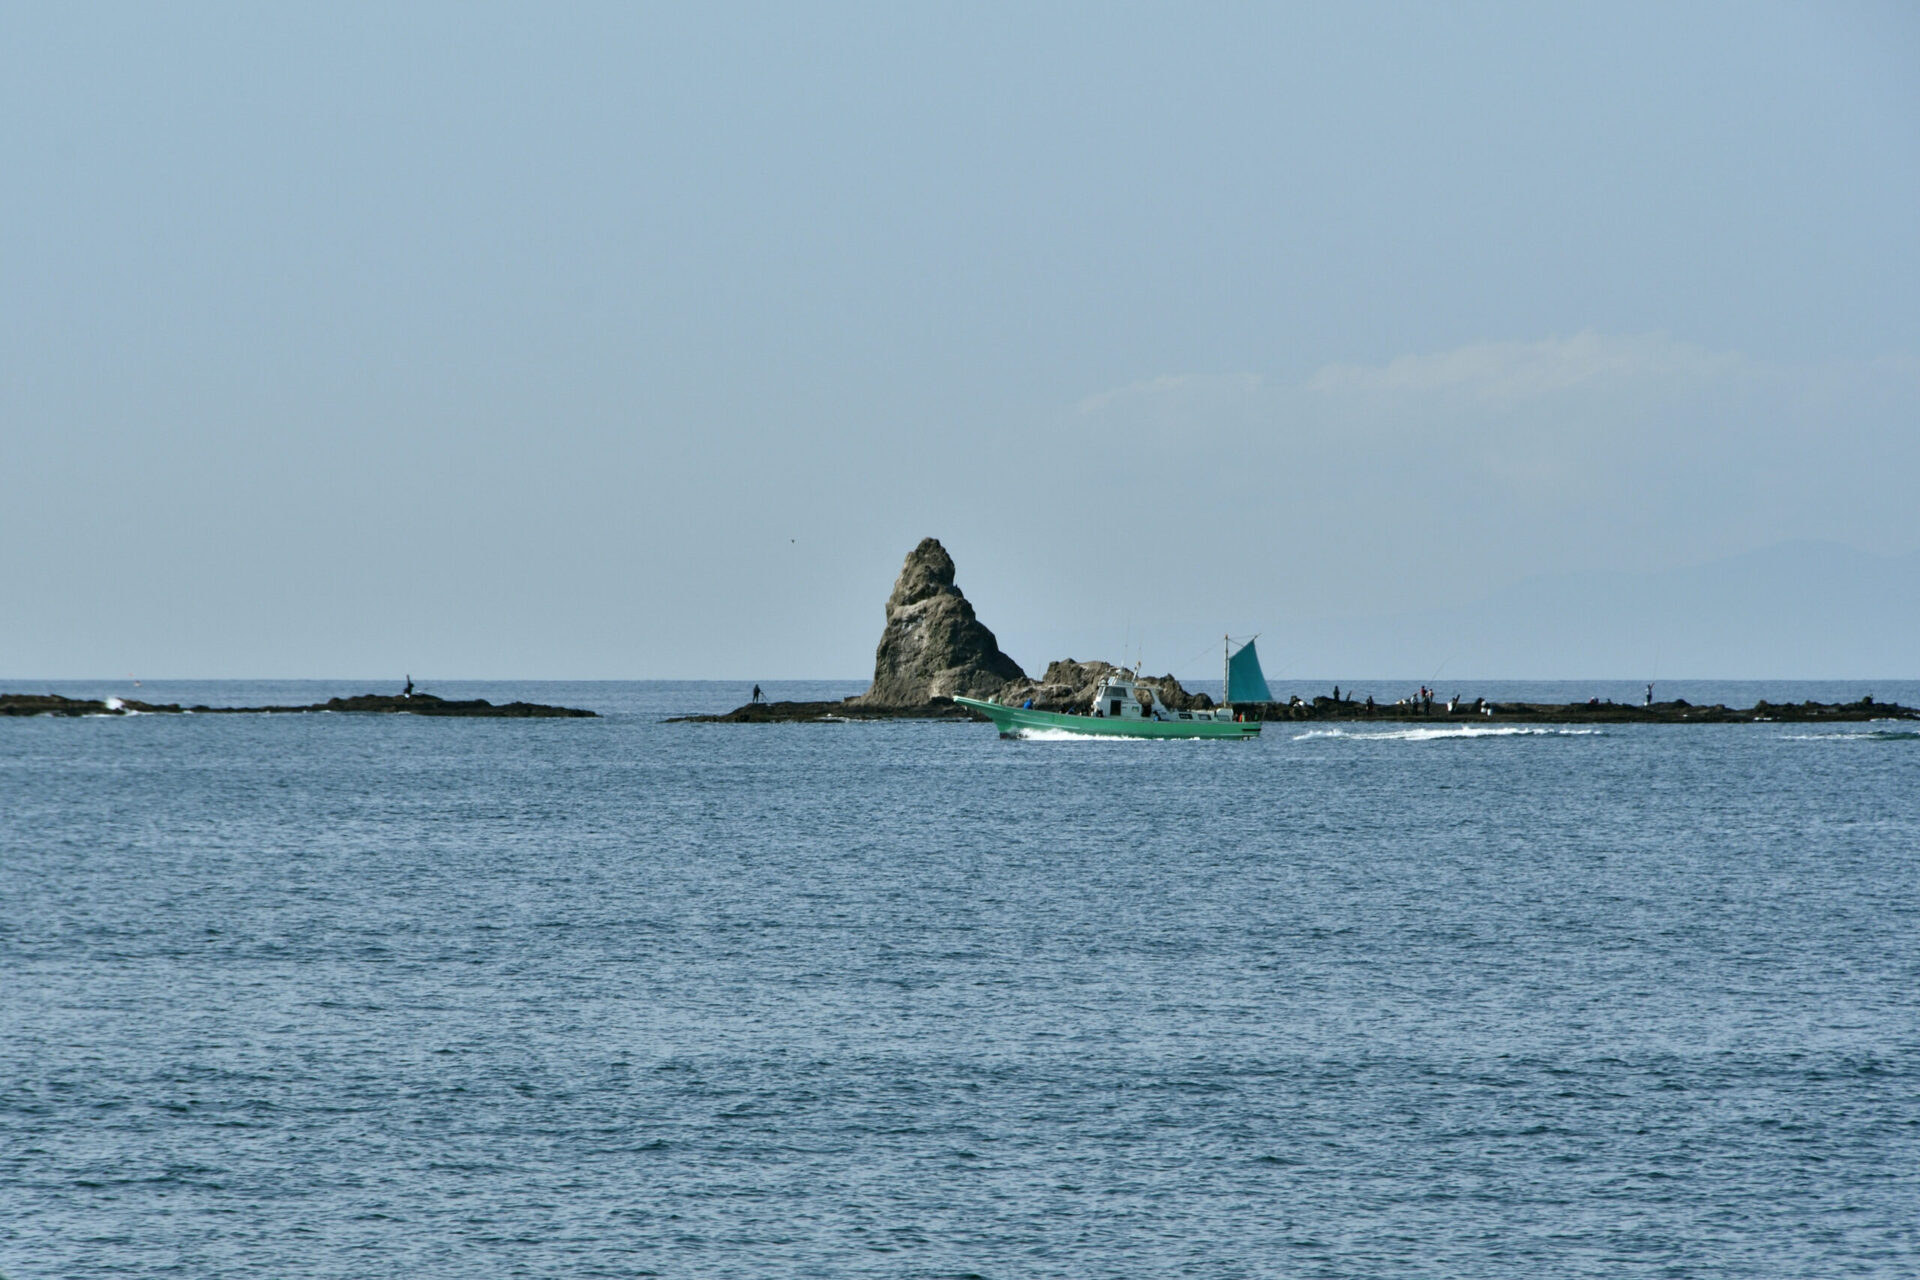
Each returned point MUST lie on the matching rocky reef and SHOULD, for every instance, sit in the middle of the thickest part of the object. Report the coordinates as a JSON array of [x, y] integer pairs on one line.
[[934, 647], [1594, 711], [833, 712], [418, 704]]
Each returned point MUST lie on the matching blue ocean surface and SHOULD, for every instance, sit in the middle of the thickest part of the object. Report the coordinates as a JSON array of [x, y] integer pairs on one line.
[[350, 996]]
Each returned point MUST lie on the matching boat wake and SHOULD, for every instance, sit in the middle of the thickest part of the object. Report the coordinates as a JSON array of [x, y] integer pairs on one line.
[[1068, 735], [1425, 734]]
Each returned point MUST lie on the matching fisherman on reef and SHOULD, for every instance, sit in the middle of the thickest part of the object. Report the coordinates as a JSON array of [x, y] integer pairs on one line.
[[1649, 695], [755, 700], [408, 692]]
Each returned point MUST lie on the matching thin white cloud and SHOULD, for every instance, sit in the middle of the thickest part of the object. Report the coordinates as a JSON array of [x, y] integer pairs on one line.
[[1168, 384], [1506, 372], [1492, 372]]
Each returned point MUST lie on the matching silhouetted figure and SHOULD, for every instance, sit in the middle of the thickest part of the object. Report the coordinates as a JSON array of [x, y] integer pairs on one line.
[[1649, 695], [756, 695], [1336, 693], [409, 690]]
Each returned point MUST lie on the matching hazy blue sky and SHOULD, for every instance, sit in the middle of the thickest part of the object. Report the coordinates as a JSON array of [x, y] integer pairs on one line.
[[603, 342]]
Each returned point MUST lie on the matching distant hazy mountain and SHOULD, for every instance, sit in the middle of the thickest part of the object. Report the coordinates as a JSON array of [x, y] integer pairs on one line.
[[1811, 610]]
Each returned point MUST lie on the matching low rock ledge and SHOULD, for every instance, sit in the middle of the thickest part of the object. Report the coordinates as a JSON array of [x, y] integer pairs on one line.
[[419, 704]]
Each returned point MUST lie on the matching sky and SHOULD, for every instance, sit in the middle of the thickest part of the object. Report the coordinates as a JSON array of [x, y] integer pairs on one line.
[[628, 342]]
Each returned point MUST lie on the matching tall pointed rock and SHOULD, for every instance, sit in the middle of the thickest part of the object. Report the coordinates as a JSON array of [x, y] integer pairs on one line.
[[933, 645]]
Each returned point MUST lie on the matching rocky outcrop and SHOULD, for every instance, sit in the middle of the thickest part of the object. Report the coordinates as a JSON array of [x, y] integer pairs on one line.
[[934, 648], [933, 645]]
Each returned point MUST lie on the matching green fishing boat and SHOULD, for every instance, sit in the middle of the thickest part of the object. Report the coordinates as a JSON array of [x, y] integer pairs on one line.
[[1123, 708]]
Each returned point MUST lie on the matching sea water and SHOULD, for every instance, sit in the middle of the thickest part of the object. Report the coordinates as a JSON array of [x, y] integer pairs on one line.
[[348, 996]]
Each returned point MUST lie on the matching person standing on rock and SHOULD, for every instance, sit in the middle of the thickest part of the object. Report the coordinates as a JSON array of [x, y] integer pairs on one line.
[[408, 692], [1649, 695], [755, 700]]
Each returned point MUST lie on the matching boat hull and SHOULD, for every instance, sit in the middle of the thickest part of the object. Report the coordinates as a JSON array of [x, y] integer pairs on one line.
[[1014, 722]]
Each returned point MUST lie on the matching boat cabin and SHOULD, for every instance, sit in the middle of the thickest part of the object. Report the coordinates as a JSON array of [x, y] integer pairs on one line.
[[1119, 698]]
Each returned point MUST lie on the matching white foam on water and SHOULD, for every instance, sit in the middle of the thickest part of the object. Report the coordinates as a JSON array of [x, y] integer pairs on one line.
[[114, 704], [1425, 734], [1855, 735], [1068, 735]]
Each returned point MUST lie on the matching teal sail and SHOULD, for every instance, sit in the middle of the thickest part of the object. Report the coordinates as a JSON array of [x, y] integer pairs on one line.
[[1245, 681]]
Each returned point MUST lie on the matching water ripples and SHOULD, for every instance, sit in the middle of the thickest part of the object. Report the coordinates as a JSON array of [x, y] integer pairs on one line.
[[328, 999]]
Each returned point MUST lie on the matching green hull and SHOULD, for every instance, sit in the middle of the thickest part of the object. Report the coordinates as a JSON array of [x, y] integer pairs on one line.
[[1014, 721]]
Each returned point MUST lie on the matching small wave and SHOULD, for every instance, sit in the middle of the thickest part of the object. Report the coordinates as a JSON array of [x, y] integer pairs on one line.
[[1426, 734], [1855, 735]]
